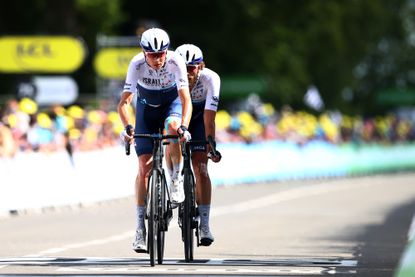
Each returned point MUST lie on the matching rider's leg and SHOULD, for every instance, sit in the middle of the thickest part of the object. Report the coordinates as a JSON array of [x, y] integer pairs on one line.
[[203, 183], [174, 159], [203, 195], [169, 163], [144, 167]]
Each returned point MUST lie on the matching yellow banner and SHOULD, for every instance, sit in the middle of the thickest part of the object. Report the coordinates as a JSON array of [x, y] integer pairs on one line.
[[40, 54], [112, 63]]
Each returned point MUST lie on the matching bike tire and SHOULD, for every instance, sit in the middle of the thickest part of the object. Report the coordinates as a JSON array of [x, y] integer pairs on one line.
[[162, 218], [152, 214], [188, 215]]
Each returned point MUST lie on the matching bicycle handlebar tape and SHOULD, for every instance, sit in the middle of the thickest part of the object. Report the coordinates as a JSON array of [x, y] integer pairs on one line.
[[128, 130], [127, 148]]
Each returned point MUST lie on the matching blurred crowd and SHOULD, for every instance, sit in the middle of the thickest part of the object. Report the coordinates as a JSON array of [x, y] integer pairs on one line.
[[254, 121], [26, 127]]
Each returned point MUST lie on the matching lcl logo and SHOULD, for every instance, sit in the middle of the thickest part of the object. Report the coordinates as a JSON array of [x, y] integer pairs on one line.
[[55, 54], [34, 50]]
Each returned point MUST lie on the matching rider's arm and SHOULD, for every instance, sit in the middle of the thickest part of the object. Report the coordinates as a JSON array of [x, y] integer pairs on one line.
[[129, 90], [123, 105], [183, 88], [187, 107], [209, 120], [212, 102], [211, 106]]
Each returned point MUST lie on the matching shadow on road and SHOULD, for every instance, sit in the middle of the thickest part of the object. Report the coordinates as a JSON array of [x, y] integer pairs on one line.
[[383, 245]]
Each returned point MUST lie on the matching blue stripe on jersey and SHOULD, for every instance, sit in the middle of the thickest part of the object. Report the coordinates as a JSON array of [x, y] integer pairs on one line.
[[156, 97]]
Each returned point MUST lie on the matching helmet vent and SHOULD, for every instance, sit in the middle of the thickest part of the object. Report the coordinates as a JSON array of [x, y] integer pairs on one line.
[[187, 55], [155, 44]]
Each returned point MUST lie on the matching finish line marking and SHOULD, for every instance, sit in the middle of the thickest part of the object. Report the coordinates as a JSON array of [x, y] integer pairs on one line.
[[26, 261], [233, 266]]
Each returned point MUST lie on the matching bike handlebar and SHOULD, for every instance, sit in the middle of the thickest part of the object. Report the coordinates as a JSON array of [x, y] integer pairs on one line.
[[127, 148], [209, 141], [127, 144], [155, 136], [212, 144]]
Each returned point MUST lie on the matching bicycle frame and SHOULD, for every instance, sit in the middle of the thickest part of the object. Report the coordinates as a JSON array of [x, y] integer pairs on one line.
[[158, 211], [188, 208]]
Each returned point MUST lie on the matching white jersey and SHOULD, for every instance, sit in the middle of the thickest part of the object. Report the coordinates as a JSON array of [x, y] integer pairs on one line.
[[149, 83], [207, 88]]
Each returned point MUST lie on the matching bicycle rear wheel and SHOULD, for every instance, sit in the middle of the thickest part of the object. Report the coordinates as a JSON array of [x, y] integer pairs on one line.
[[152, 215], [188, 215]]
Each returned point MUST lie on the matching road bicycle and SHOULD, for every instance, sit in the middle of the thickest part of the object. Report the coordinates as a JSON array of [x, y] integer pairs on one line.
[[188, 211], [158, 204]]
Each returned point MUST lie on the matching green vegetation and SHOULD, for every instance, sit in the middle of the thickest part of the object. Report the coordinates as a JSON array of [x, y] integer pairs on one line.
[[350, 50]]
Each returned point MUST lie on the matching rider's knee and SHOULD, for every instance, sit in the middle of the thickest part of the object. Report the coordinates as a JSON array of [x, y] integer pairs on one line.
[[142, 173], [143, 170], [172, 123], [201, 169]]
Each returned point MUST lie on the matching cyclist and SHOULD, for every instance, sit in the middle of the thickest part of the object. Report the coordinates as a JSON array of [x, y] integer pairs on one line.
[[158, 76], [204, 86]]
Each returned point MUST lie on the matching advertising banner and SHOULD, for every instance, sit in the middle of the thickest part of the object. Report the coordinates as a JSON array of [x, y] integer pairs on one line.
[[112, 63], [41, 54]]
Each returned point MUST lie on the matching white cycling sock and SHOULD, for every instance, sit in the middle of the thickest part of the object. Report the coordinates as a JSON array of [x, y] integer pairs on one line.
[[204, 211], [170, 170], [141, 213], [175, 171]]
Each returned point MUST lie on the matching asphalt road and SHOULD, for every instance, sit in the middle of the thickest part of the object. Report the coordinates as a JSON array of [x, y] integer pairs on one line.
[[335, 227]]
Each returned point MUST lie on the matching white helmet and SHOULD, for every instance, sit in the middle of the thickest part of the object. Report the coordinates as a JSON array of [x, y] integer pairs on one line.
[[191, 54], [154, 40]]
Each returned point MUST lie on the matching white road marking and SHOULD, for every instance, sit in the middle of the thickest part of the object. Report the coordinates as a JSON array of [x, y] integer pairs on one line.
[[283, 196], [411, 231], [269, 200], [315, 271], [101, 264], [119, 237], [169, 261]]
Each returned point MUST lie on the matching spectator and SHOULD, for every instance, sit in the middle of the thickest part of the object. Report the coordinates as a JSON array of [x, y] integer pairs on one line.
[[83, 129], [8, 147]]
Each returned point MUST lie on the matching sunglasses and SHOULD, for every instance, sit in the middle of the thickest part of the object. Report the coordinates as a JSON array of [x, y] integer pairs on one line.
[[191, 68], [155, 55]]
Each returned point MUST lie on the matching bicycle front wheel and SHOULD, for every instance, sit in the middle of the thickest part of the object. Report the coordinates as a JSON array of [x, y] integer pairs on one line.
[[162, 217], [152, 216], [188, 217]]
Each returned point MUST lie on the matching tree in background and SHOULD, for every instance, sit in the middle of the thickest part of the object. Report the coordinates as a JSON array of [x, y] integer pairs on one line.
[[348, 49], [80, 18]]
